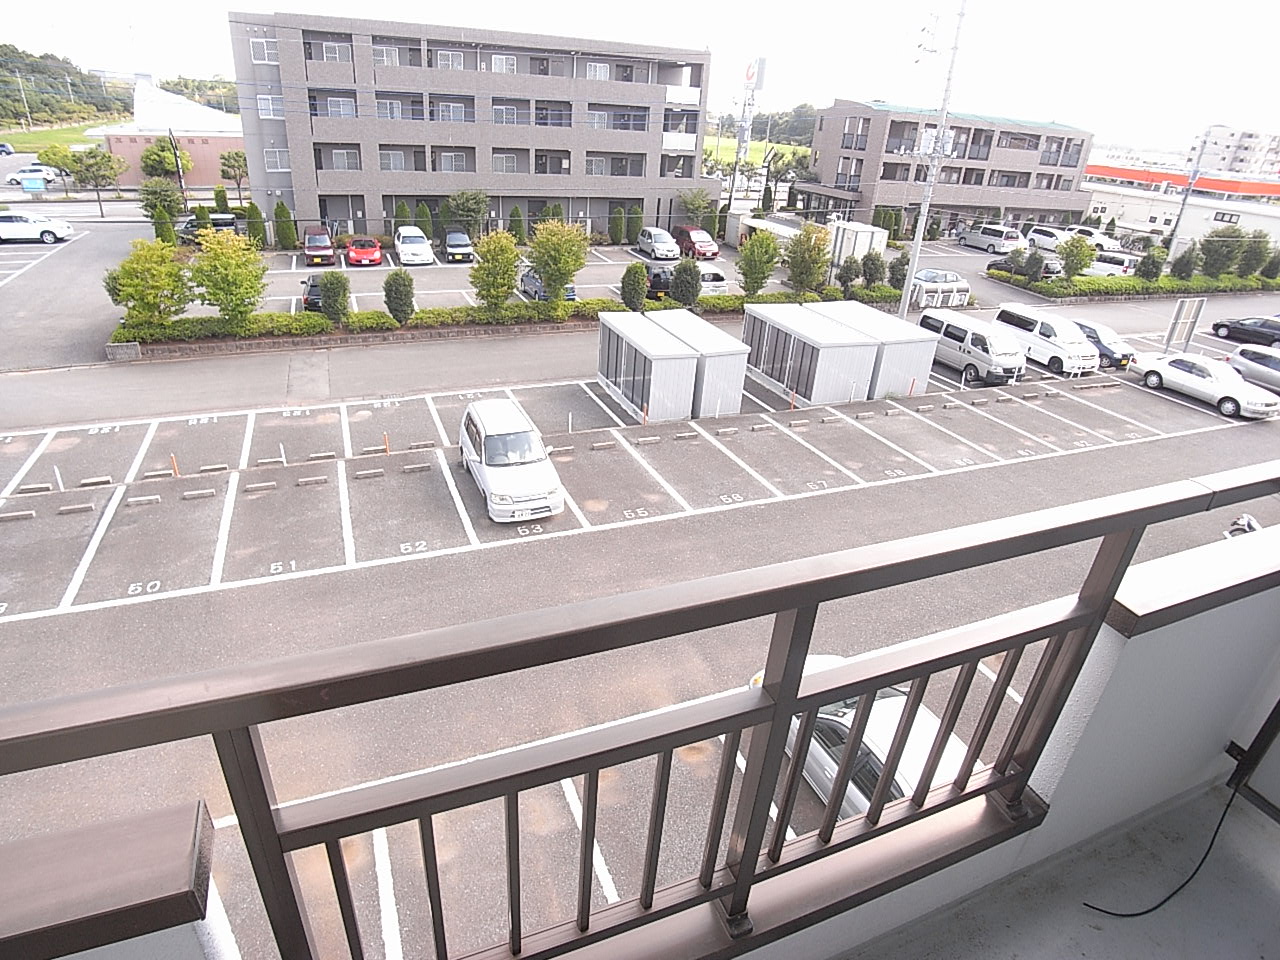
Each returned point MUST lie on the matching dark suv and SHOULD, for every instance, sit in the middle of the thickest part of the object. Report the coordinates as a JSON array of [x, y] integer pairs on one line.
[[187, 229], [660, 275], [311, 292]]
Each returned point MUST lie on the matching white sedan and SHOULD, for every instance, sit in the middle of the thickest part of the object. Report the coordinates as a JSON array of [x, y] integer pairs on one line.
[[1214, 381], [32, 226]]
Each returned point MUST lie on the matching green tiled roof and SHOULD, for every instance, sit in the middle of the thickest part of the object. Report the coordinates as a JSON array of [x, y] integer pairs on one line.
[[969, 117]]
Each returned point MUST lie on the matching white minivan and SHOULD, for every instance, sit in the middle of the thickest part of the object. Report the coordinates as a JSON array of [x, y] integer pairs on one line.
[[503, 452], [992, 237], [979, 349], [1049, 338]]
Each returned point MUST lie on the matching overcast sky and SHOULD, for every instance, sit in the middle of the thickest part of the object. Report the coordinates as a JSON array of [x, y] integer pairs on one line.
[[1145, 75]]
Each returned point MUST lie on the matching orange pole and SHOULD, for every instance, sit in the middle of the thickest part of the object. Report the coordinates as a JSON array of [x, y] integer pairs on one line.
[[173, 461], [386, 442]]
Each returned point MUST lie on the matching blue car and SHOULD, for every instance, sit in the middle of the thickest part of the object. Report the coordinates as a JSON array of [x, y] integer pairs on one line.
[[532, 287]]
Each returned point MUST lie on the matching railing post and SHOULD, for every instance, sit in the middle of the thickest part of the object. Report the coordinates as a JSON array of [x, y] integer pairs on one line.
[[784, 667], [1098, 590], [244, 767]]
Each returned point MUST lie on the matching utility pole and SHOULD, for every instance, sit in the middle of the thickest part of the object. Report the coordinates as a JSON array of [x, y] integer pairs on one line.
[[71, 96], [1186, 194], [23, 91], [177, 162], [939, 146]]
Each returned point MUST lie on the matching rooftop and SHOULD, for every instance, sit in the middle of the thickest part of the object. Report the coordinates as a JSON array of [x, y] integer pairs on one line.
[[157, 111], [976, 118], [1247, 188]]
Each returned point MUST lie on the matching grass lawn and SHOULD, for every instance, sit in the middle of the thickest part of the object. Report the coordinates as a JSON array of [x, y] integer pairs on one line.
[[36, 140], [723, 148]]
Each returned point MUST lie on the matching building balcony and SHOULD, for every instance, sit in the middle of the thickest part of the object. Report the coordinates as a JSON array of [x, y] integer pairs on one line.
[[327, 73], [1007, 741], [691, 96], [345, 181], [673, 140]]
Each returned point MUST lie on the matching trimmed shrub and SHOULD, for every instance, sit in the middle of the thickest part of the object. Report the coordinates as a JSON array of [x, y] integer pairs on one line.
[[635, 284], [220, 203], [397, 293], [599, 239], [1271, 269], [1151, 265], [163, 224], [401, 217], [1185, 264], [335, 296], [877, 293], [635, 223], [849, 273], [831, 293], [203, 222], [254, 226], [421, 219], [873, 268], [515, 223], [286, 229], [370, 320], [205, 328], [686, 282], [898, 271], [617, 225]]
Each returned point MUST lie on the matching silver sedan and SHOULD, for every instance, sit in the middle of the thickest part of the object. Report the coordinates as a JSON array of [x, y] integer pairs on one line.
[[1214, 381], [1258, 364]]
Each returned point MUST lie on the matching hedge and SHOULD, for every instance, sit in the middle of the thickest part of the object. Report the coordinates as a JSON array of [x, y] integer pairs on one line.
[[1136, 286], [880, 293], [370, 320], [203, 328]]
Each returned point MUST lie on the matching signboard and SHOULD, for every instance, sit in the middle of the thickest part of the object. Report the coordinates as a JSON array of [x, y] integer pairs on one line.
[[33, 184], [1186, 316], [754, 78]]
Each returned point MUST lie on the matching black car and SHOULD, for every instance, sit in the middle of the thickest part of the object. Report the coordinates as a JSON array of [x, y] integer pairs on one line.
[[660, 275], [311, 292], [1052, 268], [187, 229], [1113, 350], [1264, 330]]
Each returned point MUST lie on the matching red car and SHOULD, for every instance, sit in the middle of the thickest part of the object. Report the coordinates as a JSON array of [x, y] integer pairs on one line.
[[695, 242], [366, 250]]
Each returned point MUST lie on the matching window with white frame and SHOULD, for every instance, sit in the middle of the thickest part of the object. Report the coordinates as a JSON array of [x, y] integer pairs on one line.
[[264, 51], [1227, 217], [597, 71], [504, 163], [451, 112], [384, 56], [596, 167], [390, 109], [505, 115], [275, 159], [390, 159], [270, 108], [341, 106], [453, 162], [346, 159], [449, 59], [336, 52], [598, 119], [502, 63]]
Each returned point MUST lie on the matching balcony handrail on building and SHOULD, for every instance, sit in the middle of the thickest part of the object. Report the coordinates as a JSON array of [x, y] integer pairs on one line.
[[984, 805]]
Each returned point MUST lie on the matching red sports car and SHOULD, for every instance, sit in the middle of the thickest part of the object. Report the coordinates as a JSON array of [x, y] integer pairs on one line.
[[364, 250]]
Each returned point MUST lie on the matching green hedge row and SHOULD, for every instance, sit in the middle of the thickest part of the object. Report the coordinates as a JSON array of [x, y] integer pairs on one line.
[[203, 328], [1136, 286]]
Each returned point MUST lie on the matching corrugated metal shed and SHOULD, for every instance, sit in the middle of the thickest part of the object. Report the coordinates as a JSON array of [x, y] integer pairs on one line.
[[904, 357], [647, 370], [797, 351], [722, 361]]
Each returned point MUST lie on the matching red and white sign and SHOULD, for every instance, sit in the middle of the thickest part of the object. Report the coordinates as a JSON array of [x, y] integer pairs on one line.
[[754, 78]]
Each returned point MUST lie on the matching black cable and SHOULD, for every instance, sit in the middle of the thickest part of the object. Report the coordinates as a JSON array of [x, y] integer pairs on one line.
[[1178, 888]]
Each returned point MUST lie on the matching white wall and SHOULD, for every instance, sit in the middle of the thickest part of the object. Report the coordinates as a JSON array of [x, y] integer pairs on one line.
[[1133, 209]]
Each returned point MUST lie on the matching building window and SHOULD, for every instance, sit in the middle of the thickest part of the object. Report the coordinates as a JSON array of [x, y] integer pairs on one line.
[[336, 52], [341, 106], [501, 63], [973, 176], [276, 160], [449, 59], [1066, 183], [820, 119], [949, 175], [346, 159], [451, 112], [264, 51], [386, 56], [1044, 181], [505, 115], [390, 159], [1152, 219], [271, 108], [597, 120], [453, 162], [1227, 217], [1018, 141], [596, 167], [390, 109], [504, 163], [597, 71], [1168, 221]]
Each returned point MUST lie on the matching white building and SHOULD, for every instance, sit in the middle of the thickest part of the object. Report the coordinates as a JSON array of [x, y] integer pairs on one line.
[[1231, 150]]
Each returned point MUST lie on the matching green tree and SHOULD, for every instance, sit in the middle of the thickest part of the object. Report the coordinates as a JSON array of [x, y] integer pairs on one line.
[[1152, 264], [1110, 228], [97, 169], [230, 275], [220, 199], [234, 166], [722, 221], [1271, 269], [635, 223], [1254, 253], [1033, 269], [757, 258], [494, 272], [898, 268], [150, 284], [203, 222], [686, 281], [335, 296], [697, 203], [808, 256], [635, 285], [708, 223], [1221, 249], [558, 251], [557, 212], [617, 225], [848, 274], [157, 160], [286, 229], [1185, 264], [515, 224], [164, 227], [254, 226], [469, 208], [158, 193], [397, 292], [1076, 254], [401, 217], [59, 156], [934, 229], [422, 219], [873, 268]]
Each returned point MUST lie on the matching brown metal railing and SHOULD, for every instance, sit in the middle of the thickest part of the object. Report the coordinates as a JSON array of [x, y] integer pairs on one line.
[[230, 705]]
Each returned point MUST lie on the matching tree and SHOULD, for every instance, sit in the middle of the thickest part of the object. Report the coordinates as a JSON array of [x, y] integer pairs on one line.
[[933, 230], [873, 268], [617, 225], [1271, 269], [397, 292], [230, 275], [686, 281], [494, 272], [848, 275], [203, 222], [157, 160], [1033, 269], [898, 268], [97, 169], [254, 226], [722, 221], [220, 199], [150, 284], [401, 216], [1110, 228], [469, 208], [556, 212], [515, 223], [158, 193], [808, 256], [697, 203], [1184, 265], [1151, 265], [635, 223], [1076, 253], [709, 222], [1254, 253], [635, 284], [766, 198], [558, 251], [164, 228], [286, 229], [335, 296], [1221, 249], [61, 157], [757, 258], [234, 167], [422, 220]]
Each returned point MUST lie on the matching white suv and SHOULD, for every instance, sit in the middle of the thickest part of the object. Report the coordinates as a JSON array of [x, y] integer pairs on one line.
[[1045, 238], [38, 170], [1096, 237], [658, 244], [992, 237], [31, 226], [413, 247], [503, 452]]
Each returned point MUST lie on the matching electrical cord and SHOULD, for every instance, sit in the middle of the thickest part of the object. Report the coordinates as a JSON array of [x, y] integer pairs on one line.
[[1179, 887]]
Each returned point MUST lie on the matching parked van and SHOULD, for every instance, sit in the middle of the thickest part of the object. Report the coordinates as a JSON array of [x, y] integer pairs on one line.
[[714, 282], [1049, 338], [1109, 263], [503, 452], [317, 246], [992, 237], [1046, 238], [979, 349]]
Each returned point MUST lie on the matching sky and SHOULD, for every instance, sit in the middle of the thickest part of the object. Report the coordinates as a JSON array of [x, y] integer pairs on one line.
[[1143, 75]]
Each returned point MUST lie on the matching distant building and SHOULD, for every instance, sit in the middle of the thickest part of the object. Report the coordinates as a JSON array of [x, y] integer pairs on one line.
[[202, 131], [1147, 201], [1231, 150]]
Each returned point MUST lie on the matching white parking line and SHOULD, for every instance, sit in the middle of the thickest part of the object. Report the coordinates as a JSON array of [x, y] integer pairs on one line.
[[758, 402], [62, 246], [954, 436], [601, 257], [1112, 413], [1165, 395], [293, 304], [467, 296], [671, 491], [344, 508], [346, 430], [809, 446], [457, 498], [600, 403], [888, 443], [12, 485], [1050, 413], [248, 439], [435, 418], [601, 868], [142, 452], [983, 413], [736, 459], [388, 913], [86, 558], [224, 528], [990, 674]]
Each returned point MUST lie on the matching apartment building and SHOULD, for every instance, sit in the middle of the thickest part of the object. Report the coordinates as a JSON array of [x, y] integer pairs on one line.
[[345, 117], [874, 154], [1232, 150]]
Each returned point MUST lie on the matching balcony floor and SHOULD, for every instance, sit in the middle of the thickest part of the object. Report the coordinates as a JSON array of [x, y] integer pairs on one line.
[[1228, 910]]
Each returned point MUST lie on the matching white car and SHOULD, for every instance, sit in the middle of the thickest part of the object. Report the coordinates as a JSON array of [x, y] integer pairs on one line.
[[1109, 263], [32, 226], [1214, 381], [1045, 238], [1096, 237], [503, 452], [658, 244], [48, 174], [413, 247]]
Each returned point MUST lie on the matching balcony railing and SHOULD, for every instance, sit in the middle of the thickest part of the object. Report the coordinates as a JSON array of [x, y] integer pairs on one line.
[[900, 145], [986, 801]]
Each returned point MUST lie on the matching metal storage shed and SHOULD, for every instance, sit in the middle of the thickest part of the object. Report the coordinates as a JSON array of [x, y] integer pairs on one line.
[[904, 358], [794, 349], [722, 361], [647, 370]]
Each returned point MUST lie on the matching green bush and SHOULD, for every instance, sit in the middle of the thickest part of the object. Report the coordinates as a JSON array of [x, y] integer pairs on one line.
[[635, 223], [203, 222], [286, 229], [617, 225], [876, 293], [1186, 263], [1271, 269], [721, 303], [204, 328], [421, 219], [635, 284], [686, 282], [370, 320], [515, 223], [163, 224], [397, 293], [335, 296], [1166, 286], [873, 268], [254, 226], [898, 268], [831, 293], [220, 203]]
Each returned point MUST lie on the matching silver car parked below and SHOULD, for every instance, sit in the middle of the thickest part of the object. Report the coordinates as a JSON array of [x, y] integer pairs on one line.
[[1258, 364]]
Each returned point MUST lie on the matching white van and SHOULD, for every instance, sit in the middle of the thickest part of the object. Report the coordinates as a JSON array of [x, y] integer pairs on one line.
[[1046, 238], [714, 282], [503, 452], [992, 237], [979, 349], [1109, 263], [1049, 338]]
